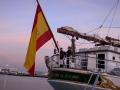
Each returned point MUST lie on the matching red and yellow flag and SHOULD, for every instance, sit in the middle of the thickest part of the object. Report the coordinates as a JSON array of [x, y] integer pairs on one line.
[[40, 34]]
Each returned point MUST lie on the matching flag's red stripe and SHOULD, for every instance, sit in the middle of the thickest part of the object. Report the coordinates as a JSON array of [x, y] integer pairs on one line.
[[31, 70], [38, 10], [43, 39]]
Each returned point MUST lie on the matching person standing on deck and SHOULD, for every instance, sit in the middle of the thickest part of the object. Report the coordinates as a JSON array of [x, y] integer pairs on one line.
[[62, 56], [68, 54]]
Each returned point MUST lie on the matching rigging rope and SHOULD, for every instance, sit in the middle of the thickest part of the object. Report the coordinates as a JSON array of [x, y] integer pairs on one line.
[[106, 17], [114, 7], [112, 10], [111, 27], [95, 29], [117, 3]]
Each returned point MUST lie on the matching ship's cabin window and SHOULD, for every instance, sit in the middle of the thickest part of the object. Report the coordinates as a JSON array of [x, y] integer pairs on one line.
[[101, 61], [84, 63]]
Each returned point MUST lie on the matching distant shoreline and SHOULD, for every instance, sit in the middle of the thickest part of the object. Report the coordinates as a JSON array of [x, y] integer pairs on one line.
[[25, 75]]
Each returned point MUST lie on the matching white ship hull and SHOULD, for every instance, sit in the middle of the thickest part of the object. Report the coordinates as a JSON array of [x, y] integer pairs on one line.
[[66, 85], [77, 81]]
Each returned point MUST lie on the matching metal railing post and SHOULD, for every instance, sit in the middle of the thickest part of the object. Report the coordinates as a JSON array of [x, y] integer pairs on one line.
[[97, 77]]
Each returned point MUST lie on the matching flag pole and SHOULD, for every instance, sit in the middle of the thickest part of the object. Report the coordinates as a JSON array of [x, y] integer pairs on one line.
[[48, 26]]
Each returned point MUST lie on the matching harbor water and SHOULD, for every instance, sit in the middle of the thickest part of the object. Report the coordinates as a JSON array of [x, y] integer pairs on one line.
[[8, 82]]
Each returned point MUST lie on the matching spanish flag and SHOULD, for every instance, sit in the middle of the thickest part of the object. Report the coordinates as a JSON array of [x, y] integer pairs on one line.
[[40, 34]]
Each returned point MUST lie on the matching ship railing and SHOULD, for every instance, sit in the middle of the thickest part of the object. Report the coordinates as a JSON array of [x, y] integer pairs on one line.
[[85, 63], [104, 64]]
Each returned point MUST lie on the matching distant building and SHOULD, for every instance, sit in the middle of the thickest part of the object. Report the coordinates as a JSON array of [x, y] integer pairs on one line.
[[6, 71]]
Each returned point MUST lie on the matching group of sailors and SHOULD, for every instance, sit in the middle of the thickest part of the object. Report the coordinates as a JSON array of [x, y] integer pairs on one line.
[[64, 57]]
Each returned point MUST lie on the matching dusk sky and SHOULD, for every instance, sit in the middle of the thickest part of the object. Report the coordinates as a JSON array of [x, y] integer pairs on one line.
[[16, 19]]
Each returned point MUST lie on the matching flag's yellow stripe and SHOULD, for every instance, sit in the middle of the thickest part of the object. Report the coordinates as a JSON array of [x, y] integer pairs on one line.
[[30, 57], [41, 25]]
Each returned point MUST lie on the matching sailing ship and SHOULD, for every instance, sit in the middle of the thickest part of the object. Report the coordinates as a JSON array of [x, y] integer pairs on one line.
[[96, 68]]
